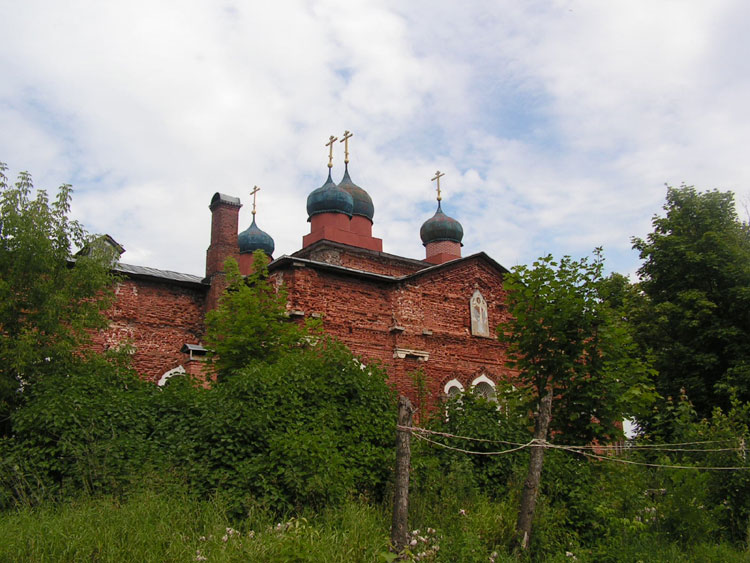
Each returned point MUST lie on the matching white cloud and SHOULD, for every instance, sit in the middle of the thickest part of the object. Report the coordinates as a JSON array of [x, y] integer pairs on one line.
[[556, 123]]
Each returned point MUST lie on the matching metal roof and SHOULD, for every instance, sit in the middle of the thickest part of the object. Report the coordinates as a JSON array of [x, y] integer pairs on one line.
[[153, 273]]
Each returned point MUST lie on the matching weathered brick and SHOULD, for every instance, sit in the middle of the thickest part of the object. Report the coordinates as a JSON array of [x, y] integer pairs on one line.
[[404, 313]]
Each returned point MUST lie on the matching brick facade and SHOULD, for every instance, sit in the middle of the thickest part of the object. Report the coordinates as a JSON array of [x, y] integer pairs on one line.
[[404, 313], [156, 318], [406, 322]]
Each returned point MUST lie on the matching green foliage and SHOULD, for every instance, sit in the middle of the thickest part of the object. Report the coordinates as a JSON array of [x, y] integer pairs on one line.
[[47, 302], [85, 431], [718, 501], [165, 523], [696, 321], [564, 336], [306, 430], [250, 323], [495, 425]]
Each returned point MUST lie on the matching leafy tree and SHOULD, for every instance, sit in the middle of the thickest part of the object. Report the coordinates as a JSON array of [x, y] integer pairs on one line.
[[696, 320], [48, 302], [568, 345], [566, 336], [250, 322], [295, 418]]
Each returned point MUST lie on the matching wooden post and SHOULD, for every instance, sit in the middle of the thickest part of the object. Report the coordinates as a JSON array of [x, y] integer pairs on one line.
[[399, 528], [531, 486]]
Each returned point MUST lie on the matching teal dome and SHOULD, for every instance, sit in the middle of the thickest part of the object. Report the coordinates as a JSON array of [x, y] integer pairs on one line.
[[441, 227], [362, 202], [252, 239], [329, 198]]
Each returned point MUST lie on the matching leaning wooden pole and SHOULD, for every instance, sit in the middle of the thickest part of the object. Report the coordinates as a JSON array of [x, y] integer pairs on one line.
[[400, 528], [531, 485]]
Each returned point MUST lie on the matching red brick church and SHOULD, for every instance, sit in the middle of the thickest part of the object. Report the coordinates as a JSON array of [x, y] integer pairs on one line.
[[438, 313]]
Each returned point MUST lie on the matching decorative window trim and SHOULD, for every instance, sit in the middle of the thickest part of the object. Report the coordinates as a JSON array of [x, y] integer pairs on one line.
[[482, 379], [179, 370], [487, 381], [402, 353], [453, 383]]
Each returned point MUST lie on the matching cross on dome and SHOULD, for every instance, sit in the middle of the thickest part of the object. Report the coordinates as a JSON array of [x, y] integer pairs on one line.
[[345, 140], [329, 144], [256, 189], [437, 177]]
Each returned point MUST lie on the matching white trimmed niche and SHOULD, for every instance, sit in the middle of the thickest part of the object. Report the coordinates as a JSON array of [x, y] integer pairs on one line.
[[480, 325]]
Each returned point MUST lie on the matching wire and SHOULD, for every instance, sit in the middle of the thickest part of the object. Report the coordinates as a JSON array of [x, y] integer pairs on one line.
[[659, 447], [644, 464], [419, 433], [447, 447]]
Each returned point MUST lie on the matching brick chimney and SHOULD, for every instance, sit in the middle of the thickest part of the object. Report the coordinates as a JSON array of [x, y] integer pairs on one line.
[[224, 227]]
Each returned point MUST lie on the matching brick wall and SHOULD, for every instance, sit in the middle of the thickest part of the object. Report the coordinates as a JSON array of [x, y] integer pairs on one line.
[[427, 313], [156, 318]]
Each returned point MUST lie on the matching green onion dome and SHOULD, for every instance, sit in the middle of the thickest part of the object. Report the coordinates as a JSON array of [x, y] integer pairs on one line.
[[252, 239], [362, 202], [441, 227], [329, 198]]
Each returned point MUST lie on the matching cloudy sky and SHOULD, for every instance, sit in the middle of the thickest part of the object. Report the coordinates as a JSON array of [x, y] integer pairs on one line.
[[557, 123]]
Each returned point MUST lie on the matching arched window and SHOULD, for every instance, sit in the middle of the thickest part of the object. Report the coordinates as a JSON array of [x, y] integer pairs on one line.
[[480, 325], [453, 388], [171, 373], [485, 387]]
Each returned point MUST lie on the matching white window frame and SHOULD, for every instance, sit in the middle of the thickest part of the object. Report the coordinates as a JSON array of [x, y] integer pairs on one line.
[[179, 370]]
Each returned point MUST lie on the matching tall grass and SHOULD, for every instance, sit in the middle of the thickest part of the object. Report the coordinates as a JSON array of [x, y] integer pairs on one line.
[[164, 523], [171, 526]]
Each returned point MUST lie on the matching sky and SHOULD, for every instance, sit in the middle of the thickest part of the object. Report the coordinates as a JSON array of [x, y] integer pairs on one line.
[[557, 123]]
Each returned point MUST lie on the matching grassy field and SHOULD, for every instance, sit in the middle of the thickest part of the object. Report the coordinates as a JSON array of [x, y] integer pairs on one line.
[[168, 525]]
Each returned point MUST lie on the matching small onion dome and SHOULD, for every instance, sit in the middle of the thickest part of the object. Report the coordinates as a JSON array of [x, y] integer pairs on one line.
[[329, 198], [441, 227], [362, 201], [252, 239]]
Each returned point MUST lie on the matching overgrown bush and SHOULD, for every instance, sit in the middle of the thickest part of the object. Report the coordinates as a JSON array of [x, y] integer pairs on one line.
[[85, 428], [307, 429], [495, 426]]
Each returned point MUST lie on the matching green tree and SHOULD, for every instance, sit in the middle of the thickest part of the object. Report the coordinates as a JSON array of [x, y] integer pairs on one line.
[[250, 322], [295, 418], [566, 335], [696, 320], [48, 301], [575, 353]]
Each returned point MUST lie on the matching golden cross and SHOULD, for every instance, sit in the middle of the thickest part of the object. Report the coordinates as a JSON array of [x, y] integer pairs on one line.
[[345, 140], [329, 144], [256, 189], [437, 177]]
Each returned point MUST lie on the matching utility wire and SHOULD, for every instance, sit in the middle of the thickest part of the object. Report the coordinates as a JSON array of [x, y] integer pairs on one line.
[[420, 434]]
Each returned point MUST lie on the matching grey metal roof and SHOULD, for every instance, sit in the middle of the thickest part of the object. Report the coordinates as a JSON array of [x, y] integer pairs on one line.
[[153, 273], [224, 198]]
